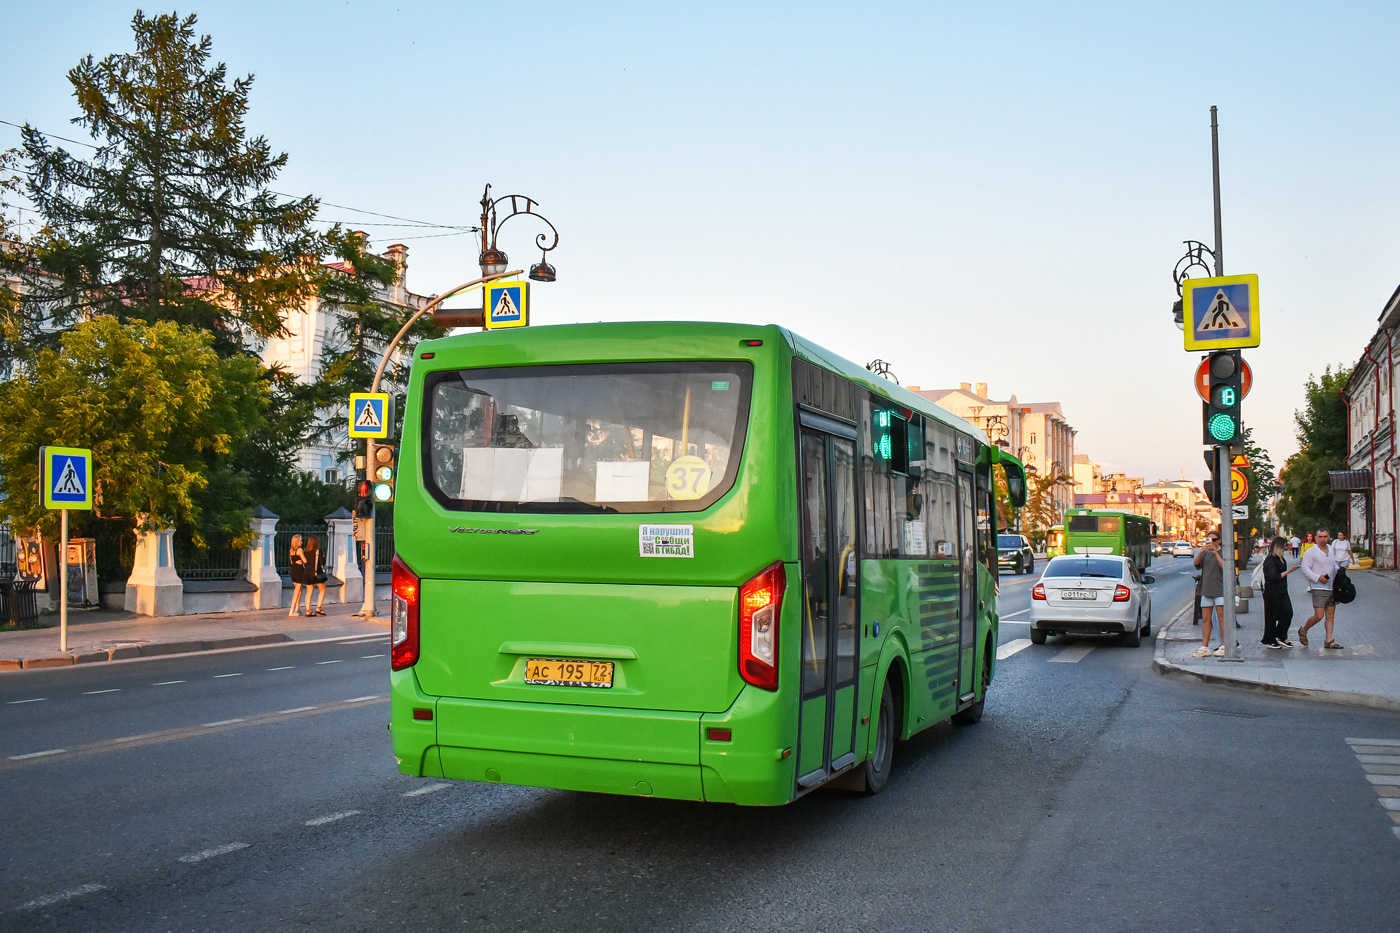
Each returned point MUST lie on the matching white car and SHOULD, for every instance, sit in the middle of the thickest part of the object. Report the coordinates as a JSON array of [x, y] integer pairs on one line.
[[1092, 594], [1183, 549]]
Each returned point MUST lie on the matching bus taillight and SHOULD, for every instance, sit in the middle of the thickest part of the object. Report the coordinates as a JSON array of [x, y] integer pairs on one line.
[[403, 617], [760, 601]]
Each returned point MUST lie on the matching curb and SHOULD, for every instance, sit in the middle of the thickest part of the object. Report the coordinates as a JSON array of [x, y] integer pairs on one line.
[[1342, 697], [126, 652]]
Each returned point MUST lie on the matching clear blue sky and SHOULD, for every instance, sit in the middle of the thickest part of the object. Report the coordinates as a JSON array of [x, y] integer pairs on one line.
[[973, 192]]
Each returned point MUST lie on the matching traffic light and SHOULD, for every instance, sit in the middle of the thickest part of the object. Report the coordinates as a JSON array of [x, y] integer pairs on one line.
[[1212, 494], [364, 503], [384, 474], [1221, 420]]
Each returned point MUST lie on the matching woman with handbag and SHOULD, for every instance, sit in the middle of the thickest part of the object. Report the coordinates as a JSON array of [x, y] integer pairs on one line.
[[315, 576], [298, 561], [1278, 607]]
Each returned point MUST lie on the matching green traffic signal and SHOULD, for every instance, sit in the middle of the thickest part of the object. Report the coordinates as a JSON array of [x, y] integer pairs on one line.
[[1222, 427], [1221, 421], [383, 492]]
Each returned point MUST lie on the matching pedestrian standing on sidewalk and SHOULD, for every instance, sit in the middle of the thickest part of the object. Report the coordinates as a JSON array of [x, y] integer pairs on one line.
[[1293, 543], [1212, 593], [1341, 551], [1308, 541], [315, 576], [1278, 608], [298, 559], [1319, 567]]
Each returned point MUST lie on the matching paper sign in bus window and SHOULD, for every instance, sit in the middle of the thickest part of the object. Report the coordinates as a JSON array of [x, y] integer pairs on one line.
[[512, 474], [622, 481]]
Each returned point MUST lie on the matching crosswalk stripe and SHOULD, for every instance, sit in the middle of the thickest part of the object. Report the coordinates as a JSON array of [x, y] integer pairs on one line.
[[1073, 655], [1011, 647]]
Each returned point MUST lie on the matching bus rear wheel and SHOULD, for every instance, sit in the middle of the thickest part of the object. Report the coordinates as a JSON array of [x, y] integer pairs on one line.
[[875, 772]]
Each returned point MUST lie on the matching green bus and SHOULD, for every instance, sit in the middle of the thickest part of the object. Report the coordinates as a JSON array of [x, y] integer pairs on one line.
[[1055, 541], [699, 561], [1105, 531]]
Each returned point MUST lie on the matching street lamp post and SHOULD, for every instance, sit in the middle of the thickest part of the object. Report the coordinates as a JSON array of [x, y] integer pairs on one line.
[[493, 261]]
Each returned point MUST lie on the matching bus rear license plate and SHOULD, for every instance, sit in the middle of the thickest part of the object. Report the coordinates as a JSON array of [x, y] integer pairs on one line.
[[569, 673], [1079, 594]]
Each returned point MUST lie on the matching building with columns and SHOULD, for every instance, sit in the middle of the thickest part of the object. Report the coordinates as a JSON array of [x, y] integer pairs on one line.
[[1373, 462]]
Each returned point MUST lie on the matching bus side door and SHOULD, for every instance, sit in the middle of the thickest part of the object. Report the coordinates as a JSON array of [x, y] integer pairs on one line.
[[830, 602]]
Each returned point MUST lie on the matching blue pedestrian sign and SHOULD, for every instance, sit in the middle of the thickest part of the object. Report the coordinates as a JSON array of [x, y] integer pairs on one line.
[[507, 305], [369, 414], [1221, 313], [65, 476]]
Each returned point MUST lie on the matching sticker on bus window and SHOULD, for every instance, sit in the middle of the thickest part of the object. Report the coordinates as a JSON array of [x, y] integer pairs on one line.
[[666, 540], [688, 478], [719, 386]]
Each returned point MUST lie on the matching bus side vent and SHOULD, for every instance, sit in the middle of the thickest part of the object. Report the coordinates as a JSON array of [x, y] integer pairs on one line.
[[825, 391]]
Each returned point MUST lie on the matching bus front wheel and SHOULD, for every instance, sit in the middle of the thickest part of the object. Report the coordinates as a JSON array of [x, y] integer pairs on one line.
[[876, 770]]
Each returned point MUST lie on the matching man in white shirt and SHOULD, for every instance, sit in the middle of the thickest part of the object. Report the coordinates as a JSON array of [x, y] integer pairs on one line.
[[1319, 567], [1293, 543]]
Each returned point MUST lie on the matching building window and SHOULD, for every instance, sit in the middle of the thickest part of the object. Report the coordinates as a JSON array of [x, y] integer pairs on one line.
[[331, 476], [1032, 437]]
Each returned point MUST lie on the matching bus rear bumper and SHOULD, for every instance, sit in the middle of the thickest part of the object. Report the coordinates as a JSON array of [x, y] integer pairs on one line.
[[646, 753]]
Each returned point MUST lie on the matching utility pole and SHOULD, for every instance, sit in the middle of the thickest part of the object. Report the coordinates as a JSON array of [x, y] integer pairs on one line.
[[1228, 636]]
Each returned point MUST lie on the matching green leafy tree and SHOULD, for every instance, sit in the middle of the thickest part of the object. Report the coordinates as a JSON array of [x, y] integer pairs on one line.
[[161, 412], [1260, 474], [172, 218], [1040, 514], [1307, 500]]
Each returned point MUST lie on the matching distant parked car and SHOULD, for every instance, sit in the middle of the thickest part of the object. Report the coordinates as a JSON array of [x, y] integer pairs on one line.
[[1014, 553], [1092, 594], [1183, 549]]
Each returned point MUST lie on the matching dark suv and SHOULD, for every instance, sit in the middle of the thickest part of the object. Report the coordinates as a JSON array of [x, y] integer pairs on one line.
[[1014, 553]]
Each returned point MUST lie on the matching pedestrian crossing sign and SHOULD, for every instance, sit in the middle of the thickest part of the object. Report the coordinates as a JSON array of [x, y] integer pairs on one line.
[[507, 305], [1221, 313], [65, 476], [369, 414]]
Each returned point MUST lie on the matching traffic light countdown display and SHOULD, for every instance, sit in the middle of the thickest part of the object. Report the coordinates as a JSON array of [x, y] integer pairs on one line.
[[1221, 419]]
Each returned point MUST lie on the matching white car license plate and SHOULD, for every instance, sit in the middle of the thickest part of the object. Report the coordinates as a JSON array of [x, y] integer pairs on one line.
[[1078, 594]]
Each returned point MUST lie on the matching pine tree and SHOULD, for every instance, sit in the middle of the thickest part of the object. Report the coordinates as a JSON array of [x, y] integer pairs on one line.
[[172, 218]]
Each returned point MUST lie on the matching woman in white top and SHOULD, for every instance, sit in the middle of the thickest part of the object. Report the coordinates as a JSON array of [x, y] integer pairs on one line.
[[1341, 550]]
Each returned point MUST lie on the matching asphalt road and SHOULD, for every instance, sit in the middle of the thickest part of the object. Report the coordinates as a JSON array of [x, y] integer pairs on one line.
[[1094, 794]]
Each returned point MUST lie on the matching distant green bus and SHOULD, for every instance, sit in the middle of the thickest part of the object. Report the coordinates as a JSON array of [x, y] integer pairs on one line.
[[1055, 541], [699, 561], [1104, 531]]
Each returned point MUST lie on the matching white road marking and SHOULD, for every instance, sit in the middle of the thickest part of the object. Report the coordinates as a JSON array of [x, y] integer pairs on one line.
[[1390, 803], [287, 668], [211, 853], [223, 722], [361, 639], [217, 676], [336, 661], [1073, 655], [48, 900], [299, 709], [51, 751], [323, 820], [92, 693], [167, 683], [1379, 759], [32, 700], [366, 657], [372, 696], [1389, 780], [1018, 612], [1015, 621], [430, 789], [1011, 647], [1395, 742]]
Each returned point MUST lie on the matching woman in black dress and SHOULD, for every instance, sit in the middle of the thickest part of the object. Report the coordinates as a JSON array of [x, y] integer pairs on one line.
[[315, 575], [1278, 607], [298, 560]]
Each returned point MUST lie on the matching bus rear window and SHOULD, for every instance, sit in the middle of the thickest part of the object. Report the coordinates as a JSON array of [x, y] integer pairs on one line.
[[1103, 524], [623, 437]]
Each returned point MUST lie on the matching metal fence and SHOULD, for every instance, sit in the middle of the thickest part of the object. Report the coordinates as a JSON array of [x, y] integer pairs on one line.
[[282, 544], [7, 552], [383, 551], [219, 561], [116, 548]]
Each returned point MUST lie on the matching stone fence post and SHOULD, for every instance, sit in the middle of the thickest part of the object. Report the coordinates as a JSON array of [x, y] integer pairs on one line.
[[154, 588], [340, 555], [262, 562]]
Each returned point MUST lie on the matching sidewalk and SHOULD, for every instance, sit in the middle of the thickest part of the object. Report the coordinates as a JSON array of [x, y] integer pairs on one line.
[[113, 636], [1364, 673]]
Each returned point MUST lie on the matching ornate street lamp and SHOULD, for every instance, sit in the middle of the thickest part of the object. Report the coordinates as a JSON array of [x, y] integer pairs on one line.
[[1196, 253], [493, 260]]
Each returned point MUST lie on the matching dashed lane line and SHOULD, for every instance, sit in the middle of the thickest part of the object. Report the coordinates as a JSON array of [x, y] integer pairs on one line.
[[235, 674], [30, 700], [366, 657], [336, 661], [430, 789], [1011, 647], [298, 709], [286, 668], [167, 683], [1073, 655], [332, 818], [182, 732], [48, 900], [93, 693], [224, 849]]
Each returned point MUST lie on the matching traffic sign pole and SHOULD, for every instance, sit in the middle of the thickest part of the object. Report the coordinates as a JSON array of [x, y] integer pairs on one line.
[[367, 609], [1228, 636], [63, 580]]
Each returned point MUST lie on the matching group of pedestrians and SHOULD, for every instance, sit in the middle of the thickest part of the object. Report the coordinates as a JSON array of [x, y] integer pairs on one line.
[[1320, 561], [308, 570]]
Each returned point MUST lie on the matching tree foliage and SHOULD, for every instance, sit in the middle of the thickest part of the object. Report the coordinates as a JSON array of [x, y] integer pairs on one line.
[[1263, 483], [161, 412], [1321, 428], [172, 218]]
